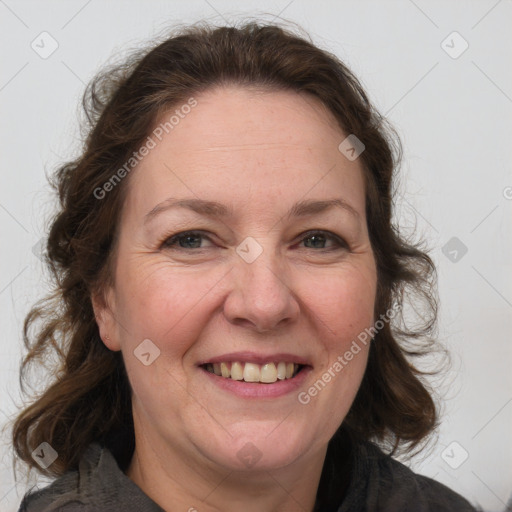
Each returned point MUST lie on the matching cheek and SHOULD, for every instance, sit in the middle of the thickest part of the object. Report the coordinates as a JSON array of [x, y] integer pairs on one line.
[[343, 302], [167, 306], [162, 303], [342, 306]]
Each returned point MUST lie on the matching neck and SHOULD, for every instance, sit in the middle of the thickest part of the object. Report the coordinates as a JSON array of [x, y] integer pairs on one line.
[[177, 481]]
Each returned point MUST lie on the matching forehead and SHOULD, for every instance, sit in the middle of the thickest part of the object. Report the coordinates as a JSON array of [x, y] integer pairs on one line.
[[229, 117], [238, 143]]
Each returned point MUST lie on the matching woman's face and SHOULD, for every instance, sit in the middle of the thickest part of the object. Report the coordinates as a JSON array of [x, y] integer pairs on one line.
[[273, 272]]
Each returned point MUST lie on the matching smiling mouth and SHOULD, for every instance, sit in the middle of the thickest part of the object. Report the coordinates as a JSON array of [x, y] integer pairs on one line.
[[267, 373]]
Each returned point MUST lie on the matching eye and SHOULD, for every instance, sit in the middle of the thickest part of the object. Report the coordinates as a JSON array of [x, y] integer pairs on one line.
[[318, 239], [185, 240]]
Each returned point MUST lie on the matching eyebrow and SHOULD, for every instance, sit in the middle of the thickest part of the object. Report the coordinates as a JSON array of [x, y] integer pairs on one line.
[[215, 209]]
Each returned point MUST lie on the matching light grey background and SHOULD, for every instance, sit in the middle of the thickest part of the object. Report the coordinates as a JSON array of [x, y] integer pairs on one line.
[[454, 117]]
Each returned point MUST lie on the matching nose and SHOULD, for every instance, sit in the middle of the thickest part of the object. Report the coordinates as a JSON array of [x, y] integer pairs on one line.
[[261, 296]]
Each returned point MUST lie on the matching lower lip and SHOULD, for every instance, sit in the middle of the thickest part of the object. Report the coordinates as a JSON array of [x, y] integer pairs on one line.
[[258, 390]]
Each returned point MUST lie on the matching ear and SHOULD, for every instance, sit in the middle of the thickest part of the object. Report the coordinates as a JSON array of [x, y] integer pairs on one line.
[[103, 306]]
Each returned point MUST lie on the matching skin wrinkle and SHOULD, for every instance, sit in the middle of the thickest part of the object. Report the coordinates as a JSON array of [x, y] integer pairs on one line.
[[241, 147], [303, 301]]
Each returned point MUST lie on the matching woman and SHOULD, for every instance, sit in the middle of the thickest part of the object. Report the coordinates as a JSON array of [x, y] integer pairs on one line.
[[228, 282]]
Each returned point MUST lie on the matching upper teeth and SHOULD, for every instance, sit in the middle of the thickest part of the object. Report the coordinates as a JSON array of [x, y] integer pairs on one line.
[[251, 372]]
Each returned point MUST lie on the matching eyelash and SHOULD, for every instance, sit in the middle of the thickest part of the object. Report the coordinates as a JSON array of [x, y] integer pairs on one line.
[[170, 242]]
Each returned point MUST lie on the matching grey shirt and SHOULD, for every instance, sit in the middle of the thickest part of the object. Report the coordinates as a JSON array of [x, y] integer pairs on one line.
[[368, 481]]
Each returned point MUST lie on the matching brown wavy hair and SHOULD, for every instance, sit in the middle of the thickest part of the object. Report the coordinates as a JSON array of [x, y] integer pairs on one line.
[[88, 397]]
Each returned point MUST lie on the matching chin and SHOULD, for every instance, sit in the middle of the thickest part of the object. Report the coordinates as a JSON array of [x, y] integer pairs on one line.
[[260, 447]]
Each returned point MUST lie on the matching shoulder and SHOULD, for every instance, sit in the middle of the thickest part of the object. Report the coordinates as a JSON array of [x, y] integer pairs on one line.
[[400, 487], [97, 484], [381, 483], [66, 493]]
